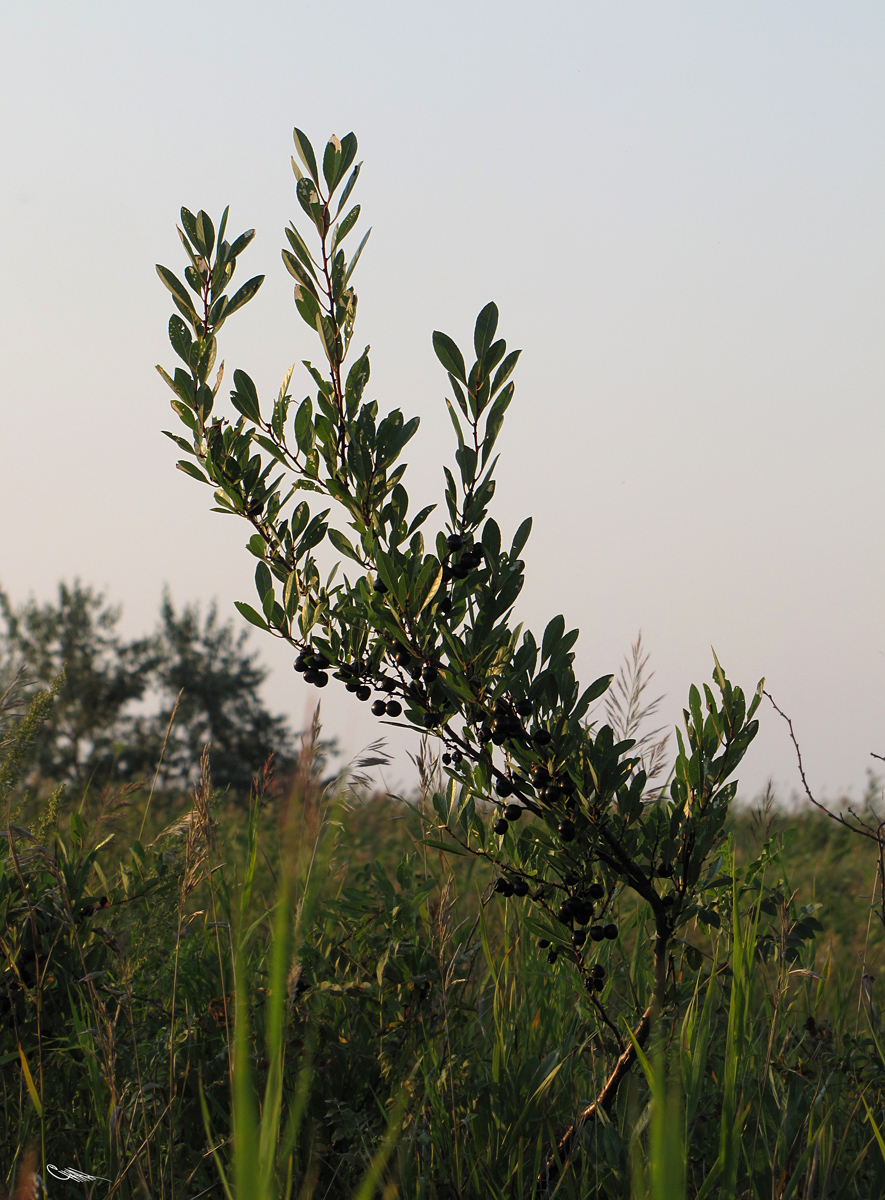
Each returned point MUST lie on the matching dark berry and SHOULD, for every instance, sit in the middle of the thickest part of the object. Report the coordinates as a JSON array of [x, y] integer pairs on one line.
[[597, 971], [353, 685], [564, 913], [503, 886], [379, 586], [300, 663], [595, 891], [541, 737], [543, 943], [454, 541], [321, 678], [484, 735], [579, 937], [386, 684], [447, 758], [582, 911], [311, 675], [610, 931], [569, 879], [668, 901], [457, 756], [665, 870], [500, 826], [460, 570], [523, 707], [551, 956], [598, 985], [394, 708], [430, 719], [429, 672], [551, 793], [502, 708], [567, 830], [597, 932], [520, 887], [320, 662], [504, 788], [445, 605], [540, 776], [513, 812], [403, 657], [379, 708], [363, 692]]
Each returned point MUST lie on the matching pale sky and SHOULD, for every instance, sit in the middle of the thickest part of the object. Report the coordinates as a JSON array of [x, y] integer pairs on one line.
[[678, 208]]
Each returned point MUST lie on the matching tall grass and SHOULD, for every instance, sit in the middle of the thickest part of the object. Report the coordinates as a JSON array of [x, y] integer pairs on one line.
[[296, 998]]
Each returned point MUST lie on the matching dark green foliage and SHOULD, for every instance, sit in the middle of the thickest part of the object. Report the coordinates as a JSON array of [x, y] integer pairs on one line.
[[400, 974], [197, 666], [429, 615], [102, 676], [209, 666]]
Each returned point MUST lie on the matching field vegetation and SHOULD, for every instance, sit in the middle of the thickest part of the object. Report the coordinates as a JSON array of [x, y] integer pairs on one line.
[[413, 1036]]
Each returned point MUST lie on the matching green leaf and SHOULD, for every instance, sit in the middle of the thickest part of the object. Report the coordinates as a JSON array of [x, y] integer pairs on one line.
[[522, 536], [448, 847], [494, 421], [593, 692], [331, 161], [486, 324], [306, 154], [192, 470], [345, 195], [356, 258], [348, 154], [449, 355], [245, 397], [429, 586], [263, 580], [246, 610], [298, 244], [180, 338], [176, 287], [180, 442], [244, 295], [241, 243], [491, 539], [189, 221], [300, 518], [29, 1083], [505, 370], [221, 228], [298, 271], [205, 235], [420, 519], [552, 636], [342, 545], [345, 227], [304, 435]]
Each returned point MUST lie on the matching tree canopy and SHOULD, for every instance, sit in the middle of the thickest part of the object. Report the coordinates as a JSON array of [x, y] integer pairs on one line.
[[112, 713]]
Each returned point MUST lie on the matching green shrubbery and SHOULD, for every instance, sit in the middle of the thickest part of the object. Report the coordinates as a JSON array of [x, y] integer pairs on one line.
[[411, 1000]]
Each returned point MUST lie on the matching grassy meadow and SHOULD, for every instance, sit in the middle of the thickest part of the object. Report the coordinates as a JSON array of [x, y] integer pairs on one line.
[[290, 995]]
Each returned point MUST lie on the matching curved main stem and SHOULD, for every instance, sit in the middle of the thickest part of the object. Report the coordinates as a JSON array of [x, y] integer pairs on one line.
[[607, 1095]]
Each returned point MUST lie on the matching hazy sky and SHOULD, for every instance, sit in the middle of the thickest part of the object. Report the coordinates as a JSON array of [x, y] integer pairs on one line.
[[678, 208]]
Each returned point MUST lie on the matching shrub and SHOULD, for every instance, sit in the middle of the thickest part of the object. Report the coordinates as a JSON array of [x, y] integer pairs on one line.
[[424, 621]]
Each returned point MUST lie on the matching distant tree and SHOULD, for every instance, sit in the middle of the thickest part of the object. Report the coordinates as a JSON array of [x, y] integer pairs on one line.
[[219, 681], [103, 677], [96, 731]]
